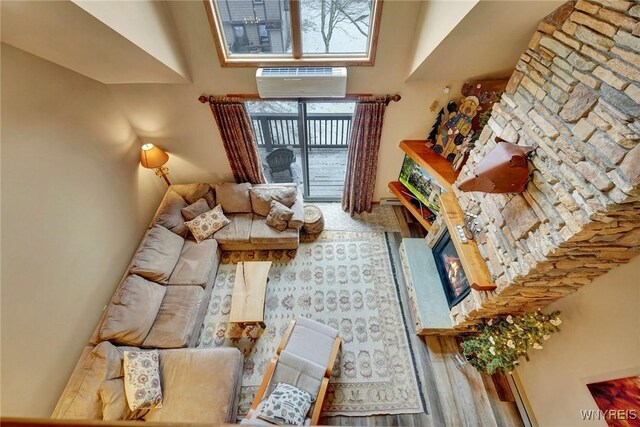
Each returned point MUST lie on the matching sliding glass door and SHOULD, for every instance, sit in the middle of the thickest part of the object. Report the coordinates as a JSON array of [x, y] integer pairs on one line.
[[304, 142]]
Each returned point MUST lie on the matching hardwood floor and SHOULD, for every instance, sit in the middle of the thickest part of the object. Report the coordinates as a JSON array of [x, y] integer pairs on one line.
[[454, 396]]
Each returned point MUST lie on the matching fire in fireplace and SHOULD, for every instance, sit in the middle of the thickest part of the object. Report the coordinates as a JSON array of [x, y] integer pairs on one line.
[[452, 276]]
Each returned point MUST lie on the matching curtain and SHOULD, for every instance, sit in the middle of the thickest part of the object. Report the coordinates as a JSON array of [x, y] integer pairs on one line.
[[362, 160], [238, 139]]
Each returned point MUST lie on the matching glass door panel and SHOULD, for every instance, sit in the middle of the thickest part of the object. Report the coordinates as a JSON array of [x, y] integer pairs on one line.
[[305, 143]]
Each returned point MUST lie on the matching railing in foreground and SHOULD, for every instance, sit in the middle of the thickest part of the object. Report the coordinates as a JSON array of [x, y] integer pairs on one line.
[[324, 130]]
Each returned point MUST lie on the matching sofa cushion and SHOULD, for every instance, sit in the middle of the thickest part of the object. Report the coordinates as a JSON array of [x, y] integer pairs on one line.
[[261, 197], [195, 263], [238, 230], [263, 233], [174, 325], [204, 225], [81, 398], [114, 402], [279, 216], [192, 192], [204, 386], [169, 214], [297, 220], [157, 255], [132, 311], [200, 206], [234, 198]]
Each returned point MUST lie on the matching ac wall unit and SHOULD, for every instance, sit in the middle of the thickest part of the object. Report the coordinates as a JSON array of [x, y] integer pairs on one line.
[[303, 82]]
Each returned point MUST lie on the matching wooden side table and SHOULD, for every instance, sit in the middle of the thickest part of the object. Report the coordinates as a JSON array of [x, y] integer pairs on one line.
[[313, 219]]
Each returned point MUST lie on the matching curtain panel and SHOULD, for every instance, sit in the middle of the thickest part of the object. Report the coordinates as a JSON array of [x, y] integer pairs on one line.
[[362, 160], [238, 139]]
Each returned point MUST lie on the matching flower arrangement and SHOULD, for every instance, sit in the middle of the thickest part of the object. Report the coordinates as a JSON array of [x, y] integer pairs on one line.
[[499, 343]]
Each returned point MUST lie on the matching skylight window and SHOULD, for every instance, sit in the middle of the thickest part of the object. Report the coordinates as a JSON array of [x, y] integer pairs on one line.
[[290, 32]]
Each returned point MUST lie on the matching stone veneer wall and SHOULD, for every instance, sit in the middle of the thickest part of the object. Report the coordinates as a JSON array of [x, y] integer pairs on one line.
[[575, 93]]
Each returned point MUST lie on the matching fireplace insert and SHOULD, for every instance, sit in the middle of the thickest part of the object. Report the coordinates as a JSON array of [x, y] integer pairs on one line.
[[452, 276]]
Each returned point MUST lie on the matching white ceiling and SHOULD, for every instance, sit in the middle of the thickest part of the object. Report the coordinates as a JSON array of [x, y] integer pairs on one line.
[[68, 35]]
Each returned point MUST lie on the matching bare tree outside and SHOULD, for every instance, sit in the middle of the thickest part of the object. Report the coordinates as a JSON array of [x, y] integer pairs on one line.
[[351, 18]]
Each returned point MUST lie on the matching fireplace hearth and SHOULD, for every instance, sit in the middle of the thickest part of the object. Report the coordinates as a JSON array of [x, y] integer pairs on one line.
[[452, 275]]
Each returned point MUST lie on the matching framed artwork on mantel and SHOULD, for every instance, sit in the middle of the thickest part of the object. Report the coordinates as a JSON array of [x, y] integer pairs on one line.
[[619, 400]]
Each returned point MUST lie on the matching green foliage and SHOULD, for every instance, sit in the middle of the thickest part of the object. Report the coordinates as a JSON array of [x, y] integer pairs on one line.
[[499, 343]]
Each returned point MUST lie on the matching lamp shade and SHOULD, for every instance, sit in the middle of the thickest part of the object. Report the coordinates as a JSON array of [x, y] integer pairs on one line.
[[152, 157]]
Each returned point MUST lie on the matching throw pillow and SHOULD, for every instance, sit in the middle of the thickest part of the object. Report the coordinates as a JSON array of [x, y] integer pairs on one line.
[[278, 216], [193, 210], [204, 225], [169, 214], [261, 198], [114, 402], [130, 315], [142, 379], [286, 405], [234, 198]]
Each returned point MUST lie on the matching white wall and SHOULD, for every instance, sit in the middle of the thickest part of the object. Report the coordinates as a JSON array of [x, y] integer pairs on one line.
[[599, 340], [172, 117], [75, 203]]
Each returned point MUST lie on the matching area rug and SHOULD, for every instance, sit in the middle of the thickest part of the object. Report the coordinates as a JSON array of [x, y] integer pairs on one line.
[[381, 218], [342, 279]]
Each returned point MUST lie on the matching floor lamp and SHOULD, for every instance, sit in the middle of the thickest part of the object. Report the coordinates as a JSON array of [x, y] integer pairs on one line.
[[154, 158]]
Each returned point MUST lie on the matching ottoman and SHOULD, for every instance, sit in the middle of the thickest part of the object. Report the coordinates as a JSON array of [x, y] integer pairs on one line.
[[313, 219]]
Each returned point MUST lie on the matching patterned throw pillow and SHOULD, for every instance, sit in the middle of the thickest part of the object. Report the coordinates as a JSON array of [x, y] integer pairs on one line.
[[142, 379], [286, 405], [204, 225]]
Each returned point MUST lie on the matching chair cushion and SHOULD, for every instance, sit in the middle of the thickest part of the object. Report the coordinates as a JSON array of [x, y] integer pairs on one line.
[[238, 230], [195, 263], [204, 225], [132, 311], [169, 214], [234, 198], [312, 341], [198, 207], [204, 386], [279, 216], [157, 255], [192, 192], [263, 233], [142, 384], [175, 322], [299, 372], [261, 197]]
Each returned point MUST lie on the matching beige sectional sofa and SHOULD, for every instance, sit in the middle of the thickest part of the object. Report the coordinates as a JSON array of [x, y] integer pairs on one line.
[[161, 302]]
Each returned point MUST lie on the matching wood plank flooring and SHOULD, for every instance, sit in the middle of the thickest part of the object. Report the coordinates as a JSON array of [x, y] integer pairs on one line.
[[454, 396]]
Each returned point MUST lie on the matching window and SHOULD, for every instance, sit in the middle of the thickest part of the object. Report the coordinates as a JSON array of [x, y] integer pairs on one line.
[[295, 32]]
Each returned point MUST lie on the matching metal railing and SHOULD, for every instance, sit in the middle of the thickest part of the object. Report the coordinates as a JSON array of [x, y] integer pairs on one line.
[[324, 130]]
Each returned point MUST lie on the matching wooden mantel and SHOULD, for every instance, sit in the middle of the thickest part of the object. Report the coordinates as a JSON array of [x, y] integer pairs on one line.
[[472, 261], [433, 163]]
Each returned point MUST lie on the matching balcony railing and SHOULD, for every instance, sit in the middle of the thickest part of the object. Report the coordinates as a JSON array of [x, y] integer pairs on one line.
[[325, 130]]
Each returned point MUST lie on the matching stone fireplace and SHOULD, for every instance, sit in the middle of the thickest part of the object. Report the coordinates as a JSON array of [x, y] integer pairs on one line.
[[452, 275], [575, 94]]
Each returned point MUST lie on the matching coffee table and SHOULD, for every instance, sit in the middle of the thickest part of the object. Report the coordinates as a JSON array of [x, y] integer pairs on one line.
[[247, 299]]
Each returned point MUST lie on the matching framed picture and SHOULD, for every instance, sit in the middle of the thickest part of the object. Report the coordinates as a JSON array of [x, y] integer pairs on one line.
[[420, 184], [619, 400]]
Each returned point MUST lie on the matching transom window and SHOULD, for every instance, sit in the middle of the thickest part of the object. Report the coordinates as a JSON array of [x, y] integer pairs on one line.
[[290, 32]]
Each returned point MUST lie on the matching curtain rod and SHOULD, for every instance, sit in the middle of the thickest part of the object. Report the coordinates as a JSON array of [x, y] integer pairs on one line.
[[255, 97]]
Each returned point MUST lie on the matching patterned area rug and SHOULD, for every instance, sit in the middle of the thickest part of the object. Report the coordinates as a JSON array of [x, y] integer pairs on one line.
[[345, 280], [381, 218]]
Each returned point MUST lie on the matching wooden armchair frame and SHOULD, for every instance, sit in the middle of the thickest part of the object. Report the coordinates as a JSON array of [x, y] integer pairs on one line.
[[273, 363]]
